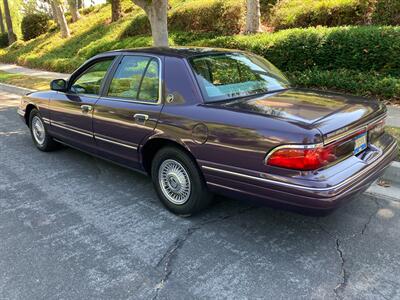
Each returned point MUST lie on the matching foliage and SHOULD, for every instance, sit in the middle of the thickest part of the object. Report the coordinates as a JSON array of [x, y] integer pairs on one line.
[[318, 57], [33, 25], [217, 16], [359, 48], [368, 84], [304, 13], [3, 40], [387, 12]]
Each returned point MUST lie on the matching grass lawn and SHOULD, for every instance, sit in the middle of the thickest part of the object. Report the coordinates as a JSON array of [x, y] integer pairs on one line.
[[30, 82]]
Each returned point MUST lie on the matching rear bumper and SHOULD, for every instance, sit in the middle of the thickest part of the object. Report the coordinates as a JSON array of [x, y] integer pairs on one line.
[[320, 196]]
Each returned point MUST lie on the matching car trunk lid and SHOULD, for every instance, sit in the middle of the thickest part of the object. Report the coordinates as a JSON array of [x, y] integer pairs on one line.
[[331, 113]]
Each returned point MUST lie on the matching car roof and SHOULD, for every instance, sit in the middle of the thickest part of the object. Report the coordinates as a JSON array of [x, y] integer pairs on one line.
[[182, 52]]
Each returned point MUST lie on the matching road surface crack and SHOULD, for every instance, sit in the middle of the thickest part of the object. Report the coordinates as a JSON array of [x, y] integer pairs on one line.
[[345, 277], [167, 259]]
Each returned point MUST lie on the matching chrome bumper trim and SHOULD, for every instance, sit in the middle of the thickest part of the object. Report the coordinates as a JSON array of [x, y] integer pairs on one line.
[[114, 142], [70, 129], [301, 187]]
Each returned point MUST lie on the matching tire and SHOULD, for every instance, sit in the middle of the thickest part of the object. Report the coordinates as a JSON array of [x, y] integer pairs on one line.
[[42, 140], [178, 182]]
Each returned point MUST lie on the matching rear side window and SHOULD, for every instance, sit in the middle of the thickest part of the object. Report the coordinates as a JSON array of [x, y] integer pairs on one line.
[[137, 77]]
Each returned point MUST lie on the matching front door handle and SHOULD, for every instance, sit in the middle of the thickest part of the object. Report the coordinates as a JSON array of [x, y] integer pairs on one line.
[[141, 118], [86, 108]]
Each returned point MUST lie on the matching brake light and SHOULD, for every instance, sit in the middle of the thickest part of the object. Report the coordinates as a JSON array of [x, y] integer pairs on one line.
[[305, 158]]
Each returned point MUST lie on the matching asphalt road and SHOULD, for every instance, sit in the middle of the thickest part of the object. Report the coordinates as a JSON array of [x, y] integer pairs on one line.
[[76, 227]]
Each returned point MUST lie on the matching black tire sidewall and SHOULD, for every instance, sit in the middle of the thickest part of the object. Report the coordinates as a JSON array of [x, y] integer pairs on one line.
[[199, 196]]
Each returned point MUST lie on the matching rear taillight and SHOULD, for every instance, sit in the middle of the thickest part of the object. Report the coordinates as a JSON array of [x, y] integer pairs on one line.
[[304, 158]]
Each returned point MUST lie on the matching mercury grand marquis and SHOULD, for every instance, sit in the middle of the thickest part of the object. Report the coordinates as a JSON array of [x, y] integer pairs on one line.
[[204, 121]]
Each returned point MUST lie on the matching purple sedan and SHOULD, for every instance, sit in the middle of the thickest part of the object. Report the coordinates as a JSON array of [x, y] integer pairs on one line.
[[202, 121]]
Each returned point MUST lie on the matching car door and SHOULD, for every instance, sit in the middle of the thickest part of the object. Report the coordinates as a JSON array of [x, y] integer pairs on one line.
[[72, 112], [129, 108]]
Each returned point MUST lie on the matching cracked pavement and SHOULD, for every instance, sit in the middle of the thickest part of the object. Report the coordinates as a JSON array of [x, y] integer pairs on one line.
[[75, 227]]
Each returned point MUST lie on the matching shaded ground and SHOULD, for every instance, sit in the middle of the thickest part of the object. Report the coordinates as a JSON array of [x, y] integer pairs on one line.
[[75, 227]]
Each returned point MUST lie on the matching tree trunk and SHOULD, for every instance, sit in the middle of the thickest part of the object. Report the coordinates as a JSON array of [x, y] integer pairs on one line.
[[3, 30], [253, 23], [115, 10], [73, 8], [80, 4], [54, 12], [62, 22], [11, 35], [156, 11]]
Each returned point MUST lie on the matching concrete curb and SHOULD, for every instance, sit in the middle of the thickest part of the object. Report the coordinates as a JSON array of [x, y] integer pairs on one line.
[[392, 174], [4, 87]]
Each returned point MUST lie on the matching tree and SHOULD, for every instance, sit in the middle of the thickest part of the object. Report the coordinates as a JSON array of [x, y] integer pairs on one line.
[[115, 10], [253, 23], [3, 30], [80, 4], [73, 8], [62, 22], [11, 35], [156, 11]]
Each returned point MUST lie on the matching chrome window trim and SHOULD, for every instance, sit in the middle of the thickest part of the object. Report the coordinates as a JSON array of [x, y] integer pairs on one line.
[[71, 129], [114, 142], [129, 100], [301, 187]]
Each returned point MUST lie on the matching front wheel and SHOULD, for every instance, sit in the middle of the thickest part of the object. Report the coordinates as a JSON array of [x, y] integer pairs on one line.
[[178, 182], [43, 141]]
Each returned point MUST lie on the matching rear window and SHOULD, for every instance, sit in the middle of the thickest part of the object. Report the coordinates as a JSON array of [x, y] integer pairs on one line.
[[233, 75]]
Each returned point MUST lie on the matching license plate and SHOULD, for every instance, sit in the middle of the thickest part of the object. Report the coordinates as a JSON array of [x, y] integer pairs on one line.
[[360, 143]]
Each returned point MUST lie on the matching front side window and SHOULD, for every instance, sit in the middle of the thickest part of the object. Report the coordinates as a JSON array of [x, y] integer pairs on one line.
[[89, 82], [233, 75], [137, 77]]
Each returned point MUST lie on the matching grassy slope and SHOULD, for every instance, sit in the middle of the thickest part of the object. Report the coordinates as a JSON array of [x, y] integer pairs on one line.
[[93, 34]]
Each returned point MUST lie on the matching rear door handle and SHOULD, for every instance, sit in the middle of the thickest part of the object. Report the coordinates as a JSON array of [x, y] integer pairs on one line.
[[141, 118], [86, 108]]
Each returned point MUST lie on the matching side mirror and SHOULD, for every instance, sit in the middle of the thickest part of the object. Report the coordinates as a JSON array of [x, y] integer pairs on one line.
[[59, 85]]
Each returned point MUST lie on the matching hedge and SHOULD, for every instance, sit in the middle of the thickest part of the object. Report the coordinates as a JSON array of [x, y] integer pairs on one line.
[[365, 48], [217, 16], [368, 84], [304, 13]]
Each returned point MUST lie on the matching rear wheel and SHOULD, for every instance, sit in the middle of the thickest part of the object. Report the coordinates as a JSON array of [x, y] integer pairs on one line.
[[42, 140], [178, 182]]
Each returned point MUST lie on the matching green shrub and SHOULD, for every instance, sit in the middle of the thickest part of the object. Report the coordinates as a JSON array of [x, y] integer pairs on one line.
[[305, 13], [217, 16], [368, 84], [387, 12], [3, 40], [366, 48], [33, 25]]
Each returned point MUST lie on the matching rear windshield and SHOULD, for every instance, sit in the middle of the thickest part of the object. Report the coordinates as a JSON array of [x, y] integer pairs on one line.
[[233, 75]]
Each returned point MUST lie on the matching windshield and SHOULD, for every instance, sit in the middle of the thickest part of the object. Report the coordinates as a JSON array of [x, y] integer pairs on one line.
[[232, 75]]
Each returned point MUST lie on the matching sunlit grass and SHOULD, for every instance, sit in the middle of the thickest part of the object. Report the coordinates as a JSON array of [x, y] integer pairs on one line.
[[30, 82]]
